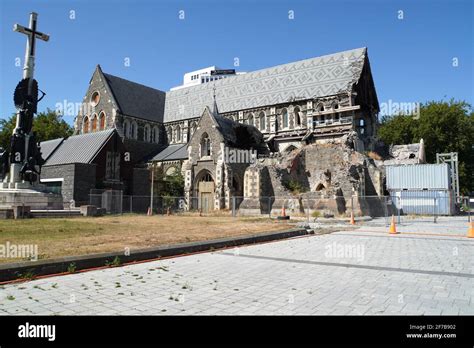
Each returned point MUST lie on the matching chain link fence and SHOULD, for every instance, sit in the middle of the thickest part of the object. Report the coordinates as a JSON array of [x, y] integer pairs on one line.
[[404, 206]]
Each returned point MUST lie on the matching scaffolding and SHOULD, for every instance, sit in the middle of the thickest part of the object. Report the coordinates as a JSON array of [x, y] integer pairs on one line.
[[451, 158]]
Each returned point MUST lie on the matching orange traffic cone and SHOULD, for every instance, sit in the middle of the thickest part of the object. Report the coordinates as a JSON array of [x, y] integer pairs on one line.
[[352, 221], [149, 212], [470, 230], [283, 212], [393, 227]]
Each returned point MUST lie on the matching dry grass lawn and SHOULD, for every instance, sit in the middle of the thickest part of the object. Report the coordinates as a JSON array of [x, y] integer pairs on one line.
[[80, 236]]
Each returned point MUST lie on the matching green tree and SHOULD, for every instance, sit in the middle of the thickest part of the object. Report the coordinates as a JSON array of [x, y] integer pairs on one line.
[[174, 184], [444, 127], [47, 125], [6, 129]]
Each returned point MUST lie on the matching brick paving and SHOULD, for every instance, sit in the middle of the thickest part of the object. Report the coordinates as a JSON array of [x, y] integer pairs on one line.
[[427, 270]]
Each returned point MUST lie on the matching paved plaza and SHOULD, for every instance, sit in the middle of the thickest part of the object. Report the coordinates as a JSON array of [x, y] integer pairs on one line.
[[427, 269]]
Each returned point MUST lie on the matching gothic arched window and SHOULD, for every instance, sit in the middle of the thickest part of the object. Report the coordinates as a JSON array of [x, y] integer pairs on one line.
[[146, 133], [296, 111], [126, 129], [155, 136], [192, 128], [94, 123], [133, 130], [284, 116], [205, 145], [178, 133], [263, 122], [250, 120], [169, 135], [102, 120], [85, 125]]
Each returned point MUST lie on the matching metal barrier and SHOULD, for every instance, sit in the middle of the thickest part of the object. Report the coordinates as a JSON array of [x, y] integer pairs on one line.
[[306, 206]]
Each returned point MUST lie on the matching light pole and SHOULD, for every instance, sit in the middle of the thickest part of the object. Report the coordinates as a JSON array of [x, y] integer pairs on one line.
[[152, 167]]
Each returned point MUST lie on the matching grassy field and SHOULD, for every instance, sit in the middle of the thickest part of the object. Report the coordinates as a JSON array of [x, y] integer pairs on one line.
[[79, 236]]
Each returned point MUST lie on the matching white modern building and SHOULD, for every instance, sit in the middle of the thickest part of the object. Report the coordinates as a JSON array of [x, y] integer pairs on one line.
[[205, 75]]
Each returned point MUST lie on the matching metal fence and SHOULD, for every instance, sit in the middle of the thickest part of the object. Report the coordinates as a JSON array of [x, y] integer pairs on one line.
[[403, 205]]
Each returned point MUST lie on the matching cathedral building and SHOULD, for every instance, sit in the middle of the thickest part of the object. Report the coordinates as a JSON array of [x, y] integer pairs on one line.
[[189, 128]]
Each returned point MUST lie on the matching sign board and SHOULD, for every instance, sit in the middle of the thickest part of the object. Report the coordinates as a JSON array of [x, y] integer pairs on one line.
[[223, 72]]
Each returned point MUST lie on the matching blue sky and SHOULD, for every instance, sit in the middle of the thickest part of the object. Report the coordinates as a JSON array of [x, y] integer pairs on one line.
[[411, 58]]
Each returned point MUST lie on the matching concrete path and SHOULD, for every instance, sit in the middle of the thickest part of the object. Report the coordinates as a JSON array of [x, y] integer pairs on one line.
[[429, 269]]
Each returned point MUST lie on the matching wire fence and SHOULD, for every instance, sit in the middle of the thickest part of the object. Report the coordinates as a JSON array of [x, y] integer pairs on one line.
[[402, 205]]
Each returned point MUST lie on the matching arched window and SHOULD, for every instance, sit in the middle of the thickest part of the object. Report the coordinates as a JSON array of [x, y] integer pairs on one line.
[[205, 145], [126, 129], [85, 125], [94, 123], [102, 120], [250, 119], [262, 120], [320, 107], [133, 130], [178, 133], [155, 135], [146, 133], [284, 116], [169, 135], [192, 128], [296, 111]]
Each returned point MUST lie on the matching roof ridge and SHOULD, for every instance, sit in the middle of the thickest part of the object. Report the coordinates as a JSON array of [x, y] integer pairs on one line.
[[136, 83]]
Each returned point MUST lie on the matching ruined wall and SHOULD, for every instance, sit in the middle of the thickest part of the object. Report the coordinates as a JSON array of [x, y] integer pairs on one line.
[[329, 176]]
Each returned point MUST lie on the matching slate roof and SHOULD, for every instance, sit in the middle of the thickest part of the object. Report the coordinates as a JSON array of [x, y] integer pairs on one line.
[[172, 153], [48, 147], [315, 77], [137, 100], [79, 148]]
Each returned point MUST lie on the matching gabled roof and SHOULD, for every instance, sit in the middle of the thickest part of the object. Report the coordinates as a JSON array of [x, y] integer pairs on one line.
[[234, 134], [172, 153], [305, 79], [49, 146], [315, 77], [81, 148], [137, 100]]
